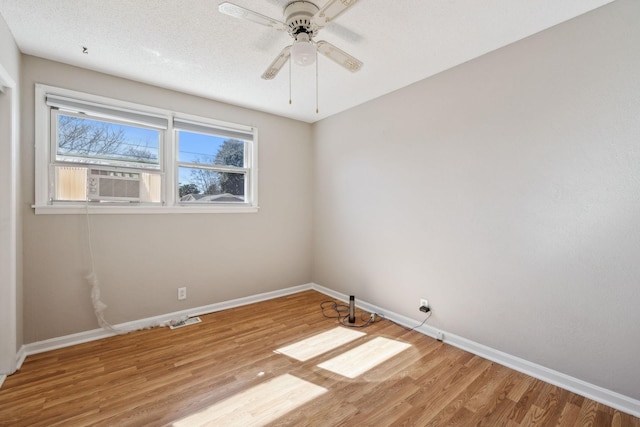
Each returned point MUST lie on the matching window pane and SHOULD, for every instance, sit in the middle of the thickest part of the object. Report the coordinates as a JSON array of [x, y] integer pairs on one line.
[[204, 185], [151, 187], [70, 183], [210, 149], [101, 142]]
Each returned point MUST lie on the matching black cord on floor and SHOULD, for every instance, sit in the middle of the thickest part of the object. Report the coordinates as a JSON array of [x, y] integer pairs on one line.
[[341, 312], [409, 329]]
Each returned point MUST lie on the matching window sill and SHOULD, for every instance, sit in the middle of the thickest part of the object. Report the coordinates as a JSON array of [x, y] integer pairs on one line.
[[136, 210]]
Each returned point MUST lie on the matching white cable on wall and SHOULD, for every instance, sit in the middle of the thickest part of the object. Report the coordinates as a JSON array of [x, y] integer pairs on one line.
[[99, 307]]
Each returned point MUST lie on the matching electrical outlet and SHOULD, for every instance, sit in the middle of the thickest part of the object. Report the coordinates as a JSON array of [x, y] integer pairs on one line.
[[182, 293], [424, 302]]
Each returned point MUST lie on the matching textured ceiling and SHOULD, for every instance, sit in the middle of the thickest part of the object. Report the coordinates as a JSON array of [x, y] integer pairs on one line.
[[190, 47]]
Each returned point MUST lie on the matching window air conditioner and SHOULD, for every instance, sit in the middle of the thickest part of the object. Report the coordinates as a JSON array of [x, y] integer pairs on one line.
[[111, 185]]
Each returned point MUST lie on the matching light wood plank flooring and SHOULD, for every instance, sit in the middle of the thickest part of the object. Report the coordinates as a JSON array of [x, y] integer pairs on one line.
[[226, 371]]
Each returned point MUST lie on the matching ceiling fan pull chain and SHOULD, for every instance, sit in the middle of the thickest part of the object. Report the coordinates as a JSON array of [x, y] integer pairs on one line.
[[317, 110], [289, 81]]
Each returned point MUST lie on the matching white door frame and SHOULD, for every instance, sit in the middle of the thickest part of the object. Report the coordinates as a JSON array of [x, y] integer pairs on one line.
[[8, 223]]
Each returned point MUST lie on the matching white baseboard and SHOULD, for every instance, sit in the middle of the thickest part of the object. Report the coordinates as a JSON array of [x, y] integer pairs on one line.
[[575, 385], [20, 356], [96, 334]]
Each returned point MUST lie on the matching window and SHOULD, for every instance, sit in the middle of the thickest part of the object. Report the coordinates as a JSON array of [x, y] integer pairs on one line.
[[109, 156], [212, 163], [103, 160]]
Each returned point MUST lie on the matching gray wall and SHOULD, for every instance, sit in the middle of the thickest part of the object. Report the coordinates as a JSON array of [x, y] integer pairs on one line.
[[142, 259], [507, 192], [9, 53]]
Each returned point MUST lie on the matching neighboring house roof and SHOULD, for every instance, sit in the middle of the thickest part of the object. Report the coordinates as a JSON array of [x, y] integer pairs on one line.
[[224, 197]]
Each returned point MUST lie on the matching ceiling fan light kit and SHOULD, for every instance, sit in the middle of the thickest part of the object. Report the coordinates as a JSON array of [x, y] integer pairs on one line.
[[303, 50], [302, 20]]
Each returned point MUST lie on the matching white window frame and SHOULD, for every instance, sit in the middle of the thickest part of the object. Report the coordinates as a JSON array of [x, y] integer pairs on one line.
[[183, 122], [168, 161]]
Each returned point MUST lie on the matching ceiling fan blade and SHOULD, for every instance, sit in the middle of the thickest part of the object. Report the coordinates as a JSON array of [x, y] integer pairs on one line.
[[249, 15], [339, 56], [331, 11], [277, 64]]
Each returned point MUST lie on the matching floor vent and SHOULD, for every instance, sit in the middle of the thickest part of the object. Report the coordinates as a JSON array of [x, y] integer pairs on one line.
[[187, 322]]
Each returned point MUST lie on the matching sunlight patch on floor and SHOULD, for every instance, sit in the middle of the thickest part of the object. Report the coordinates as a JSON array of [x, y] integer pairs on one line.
[[257, 406], [364, 357], [319, 344]]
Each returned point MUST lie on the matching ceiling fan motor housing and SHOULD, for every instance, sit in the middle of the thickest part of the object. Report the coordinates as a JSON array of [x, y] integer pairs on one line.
[[299, 14]]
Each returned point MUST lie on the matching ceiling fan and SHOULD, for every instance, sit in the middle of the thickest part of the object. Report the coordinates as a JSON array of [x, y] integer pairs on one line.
[[302, 20]]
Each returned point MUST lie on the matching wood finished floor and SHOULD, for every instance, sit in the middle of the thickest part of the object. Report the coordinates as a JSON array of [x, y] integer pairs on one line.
[[226, 367]]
